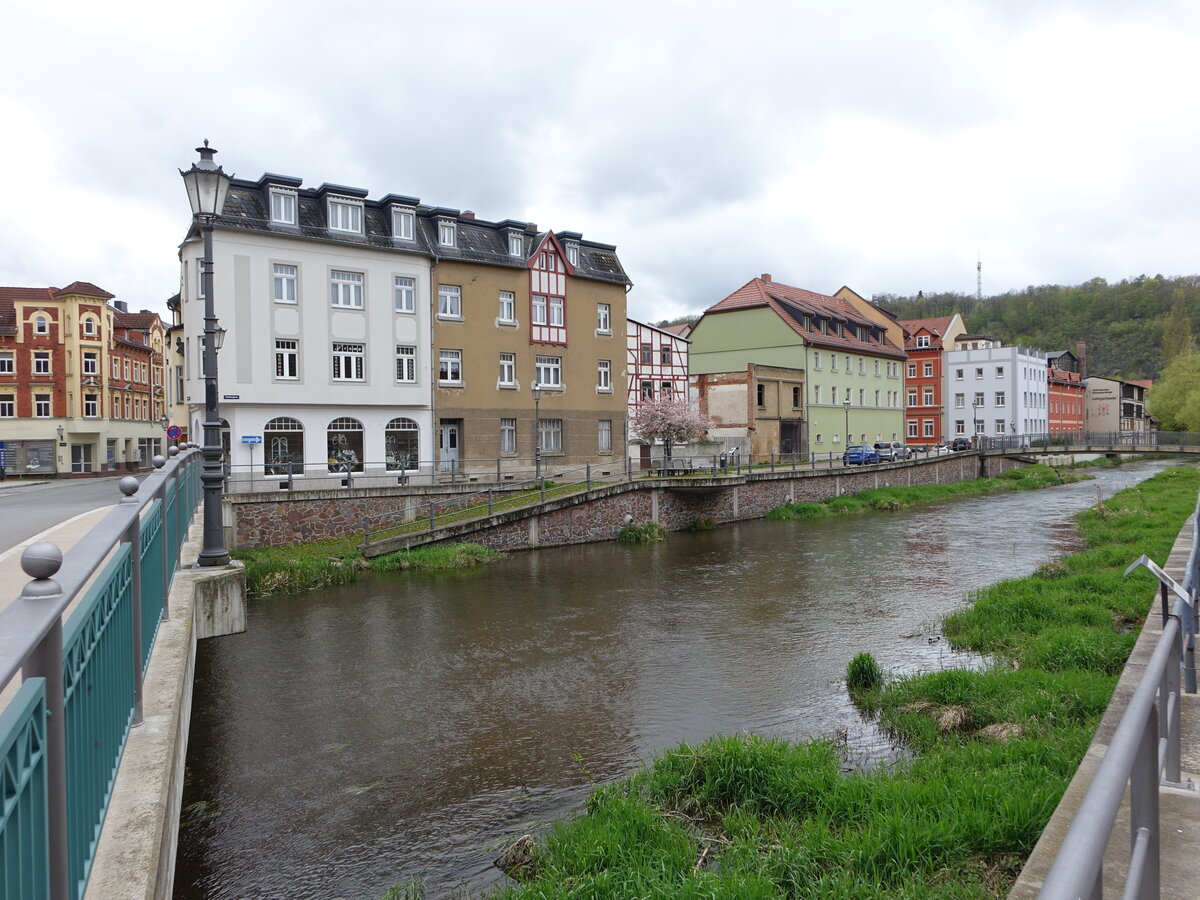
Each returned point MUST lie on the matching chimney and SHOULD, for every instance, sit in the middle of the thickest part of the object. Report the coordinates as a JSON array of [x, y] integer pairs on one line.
[[766, 276], [468, 213], [121, 305], [1081, 352]]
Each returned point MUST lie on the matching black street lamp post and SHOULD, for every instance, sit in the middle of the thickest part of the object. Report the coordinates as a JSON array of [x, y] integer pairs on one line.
[[846, 404], [207, 185], [537, 430]]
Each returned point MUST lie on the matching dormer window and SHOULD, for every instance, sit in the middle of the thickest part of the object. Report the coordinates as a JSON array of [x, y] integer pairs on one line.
[[446, 233], [922, 340], [283, 207], [345, 215], [404, 224], [573, 254], [516, 244]]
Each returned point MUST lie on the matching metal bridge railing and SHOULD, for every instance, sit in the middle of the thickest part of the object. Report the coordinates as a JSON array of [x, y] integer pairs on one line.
[[1143, 755], [62, 733]]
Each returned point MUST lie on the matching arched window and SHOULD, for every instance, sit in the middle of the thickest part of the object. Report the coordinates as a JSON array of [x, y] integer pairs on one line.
[[283, 442], [401, 439], [40, 326], [345, 442], [89, 327]]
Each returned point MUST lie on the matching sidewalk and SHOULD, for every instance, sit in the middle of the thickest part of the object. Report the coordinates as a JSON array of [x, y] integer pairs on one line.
[[64, 535]]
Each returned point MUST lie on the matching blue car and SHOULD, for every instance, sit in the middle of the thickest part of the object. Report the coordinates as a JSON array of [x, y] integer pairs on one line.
[[860, 455]]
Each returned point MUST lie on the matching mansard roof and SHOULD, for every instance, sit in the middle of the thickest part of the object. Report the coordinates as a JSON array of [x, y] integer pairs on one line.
[[248, 208], [802, 309]]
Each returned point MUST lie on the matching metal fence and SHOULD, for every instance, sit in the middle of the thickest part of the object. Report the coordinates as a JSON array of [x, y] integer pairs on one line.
[[1143, 755], [62, 734]]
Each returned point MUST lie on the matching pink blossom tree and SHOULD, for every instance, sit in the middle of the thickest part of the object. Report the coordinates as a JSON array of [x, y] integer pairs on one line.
[[670, 421]]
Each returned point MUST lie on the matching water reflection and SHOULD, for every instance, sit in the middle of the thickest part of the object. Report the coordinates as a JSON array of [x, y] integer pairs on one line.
[[407, 725]]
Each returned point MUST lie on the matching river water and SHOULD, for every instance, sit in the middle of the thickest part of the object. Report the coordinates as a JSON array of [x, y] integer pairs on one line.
[[411, 725]]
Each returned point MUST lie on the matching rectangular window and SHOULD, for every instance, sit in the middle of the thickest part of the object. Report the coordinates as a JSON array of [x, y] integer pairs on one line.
[[406, 364], [179, 398], [604, 443], [833, 365], [978, 372], [283, 207], [927, 426], [539, 310], [796, 398], [603, 375], [91, 362], [999, 371], [516, 245], [862, 399], [833, 394], [877, 398], [922, 341], [41, 363], [449, 301], [761, 395], [912, 396], [550, 433], [958, 374], [287, 359], [665, 355], [346, 289], [960, 427], [8, 409], [41, 406], [347, 362], [647, 390], [556, 311], [450, 366], [283, 279], [403, 224], [91, 406], [927, 396], [647, 355], [573, 254], [999, 398], [7, 366], [979, 426], [862, 366], [507, 311], [508, 370], [960, 401], [603, 318], [847, 362], [999, 426], [345, 216], [667, 390], [978, 401], [876, 368], [928, 369], [404, 294], [816, 359], [912, 428], [446, 231], [508, 435], [816, 393], [548, 371]]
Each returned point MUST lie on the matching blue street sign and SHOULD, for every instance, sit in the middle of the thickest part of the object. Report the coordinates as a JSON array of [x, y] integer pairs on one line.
[[251, 438]]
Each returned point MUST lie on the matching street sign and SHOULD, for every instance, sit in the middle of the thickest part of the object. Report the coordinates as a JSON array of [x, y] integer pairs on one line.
[[251, 438], [231, 396], [174, 432]]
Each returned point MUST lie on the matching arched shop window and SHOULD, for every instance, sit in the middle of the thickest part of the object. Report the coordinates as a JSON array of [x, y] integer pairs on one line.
[[283, 438], [401, 440], [345, 445]]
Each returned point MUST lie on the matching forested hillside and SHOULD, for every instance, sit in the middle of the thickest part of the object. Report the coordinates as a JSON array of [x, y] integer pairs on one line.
[[1130, 327]]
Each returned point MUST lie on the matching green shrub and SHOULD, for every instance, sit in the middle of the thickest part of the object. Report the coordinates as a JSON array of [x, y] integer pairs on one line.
[[645, 533], [863, 674]]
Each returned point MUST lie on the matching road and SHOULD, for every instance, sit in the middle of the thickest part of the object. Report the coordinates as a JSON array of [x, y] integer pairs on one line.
[[30, 508]]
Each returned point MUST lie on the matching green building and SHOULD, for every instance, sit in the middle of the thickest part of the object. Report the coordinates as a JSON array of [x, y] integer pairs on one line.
[[853, 373]]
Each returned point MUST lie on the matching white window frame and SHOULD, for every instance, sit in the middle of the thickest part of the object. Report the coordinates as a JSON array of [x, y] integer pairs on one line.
[[284, 281], [550, 435], [960, 401], [406, 364], [345, 215], [349, 361], [958, 374], [573, 253], [816, 359], [557, 312], [447, 230], [604, 435], [404, 294], [603, 318], [508, 435], [91, 362], [287, 359], [8, 362], [927, 370], [283, 207], [450, 367], [506, 307], [42, 362], [404, 225], [912, 396], [508, 371], [548, 371], [1000, 399], [604, 376], [927, 428], [516, 244], [449, 301], [91, 406], [927, 396], [978, 373], [42, 406], [41, 325], [912, 428], [922, 343], [539, 309], [346, 289], [89, 326], [8, 406], [999, 371]]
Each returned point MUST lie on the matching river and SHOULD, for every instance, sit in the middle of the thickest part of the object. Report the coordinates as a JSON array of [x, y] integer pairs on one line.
[[411, 725]]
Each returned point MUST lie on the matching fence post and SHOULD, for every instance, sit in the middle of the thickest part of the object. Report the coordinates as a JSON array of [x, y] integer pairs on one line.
[[366, 529], [489, 501], [589, 475], [431, 517], [498, 474], [133, 534], [41, 562], [159, 462], [1143, 804], [628, 467], [543, 488]]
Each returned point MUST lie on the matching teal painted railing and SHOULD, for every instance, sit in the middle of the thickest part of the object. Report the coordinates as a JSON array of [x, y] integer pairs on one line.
[[62, 735]]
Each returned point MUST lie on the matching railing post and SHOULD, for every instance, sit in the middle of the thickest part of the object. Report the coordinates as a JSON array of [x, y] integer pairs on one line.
[[498, 475], [628, 467], [129, 486], [1143, 804], [543, 480], [588, 467], [366, 529], [41, 562], [431, 516], [489, 501]]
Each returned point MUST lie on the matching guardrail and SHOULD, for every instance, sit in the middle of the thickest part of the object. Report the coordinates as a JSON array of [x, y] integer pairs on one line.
[[1144, 754], [62, 734]]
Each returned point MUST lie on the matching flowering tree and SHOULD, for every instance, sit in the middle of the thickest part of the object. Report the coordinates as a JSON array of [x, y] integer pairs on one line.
[[670, 421]]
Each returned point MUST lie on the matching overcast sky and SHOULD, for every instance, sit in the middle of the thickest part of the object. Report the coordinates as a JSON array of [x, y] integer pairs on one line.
[[872, 143]]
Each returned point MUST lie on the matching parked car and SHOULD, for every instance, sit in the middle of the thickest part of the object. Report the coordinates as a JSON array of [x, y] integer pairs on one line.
[[860, 455], [960, 443], [890, 451]]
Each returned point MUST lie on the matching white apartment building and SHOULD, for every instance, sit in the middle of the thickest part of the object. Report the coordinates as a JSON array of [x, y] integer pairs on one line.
[[994, 390], [324, 297]]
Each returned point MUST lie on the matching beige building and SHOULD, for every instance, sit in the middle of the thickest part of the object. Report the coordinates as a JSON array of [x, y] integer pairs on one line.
[[759, 408]]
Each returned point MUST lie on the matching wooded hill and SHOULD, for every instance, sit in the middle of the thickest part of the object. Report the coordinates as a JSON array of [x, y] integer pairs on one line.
[[1122, 324]]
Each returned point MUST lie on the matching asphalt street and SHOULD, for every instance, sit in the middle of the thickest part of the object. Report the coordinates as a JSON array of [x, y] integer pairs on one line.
[[29, 508]]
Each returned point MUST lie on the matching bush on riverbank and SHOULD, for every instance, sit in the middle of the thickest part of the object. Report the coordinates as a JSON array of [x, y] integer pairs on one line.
[[642, 533], [894, 498], [748, 816]]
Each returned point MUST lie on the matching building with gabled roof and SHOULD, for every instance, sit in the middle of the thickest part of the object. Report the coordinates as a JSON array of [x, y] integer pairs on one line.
[[926, 341], [852, 370]]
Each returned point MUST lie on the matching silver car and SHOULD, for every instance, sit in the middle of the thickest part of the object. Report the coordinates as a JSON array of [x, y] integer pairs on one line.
[[891, 451]]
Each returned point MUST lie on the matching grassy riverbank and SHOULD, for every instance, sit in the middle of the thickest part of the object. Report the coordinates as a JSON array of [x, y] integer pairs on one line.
[[303, 567], [1028, 478], [749, 817]]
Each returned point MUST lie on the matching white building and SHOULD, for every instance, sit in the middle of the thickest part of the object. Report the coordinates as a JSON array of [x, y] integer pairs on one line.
[[325, 301], [657, 365], [994, 390]]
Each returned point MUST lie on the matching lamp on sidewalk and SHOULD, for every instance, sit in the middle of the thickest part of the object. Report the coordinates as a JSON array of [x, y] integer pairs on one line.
[[846, 403], [207, 186], [537, 429]]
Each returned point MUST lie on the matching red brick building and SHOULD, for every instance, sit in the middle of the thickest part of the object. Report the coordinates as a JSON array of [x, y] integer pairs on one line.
[[926, 341], [1064, 393]]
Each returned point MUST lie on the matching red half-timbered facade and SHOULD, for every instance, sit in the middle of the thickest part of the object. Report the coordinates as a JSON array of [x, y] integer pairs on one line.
[[548, 271], [657, 363]]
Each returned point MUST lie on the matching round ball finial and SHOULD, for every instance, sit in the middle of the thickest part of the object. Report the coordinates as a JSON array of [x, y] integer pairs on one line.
[[41, 560], [172, 451], [128, 485], [159, 461]]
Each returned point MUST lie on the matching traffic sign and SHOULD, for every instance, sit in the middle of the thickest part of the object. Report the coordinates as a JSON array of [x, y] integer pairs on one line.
[[251, 438], [174, 432]]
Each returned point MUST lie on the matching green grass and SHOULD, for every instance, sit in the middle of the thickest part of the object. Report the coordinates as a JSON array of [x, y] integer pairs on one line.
[[894, 498], [747, 816], [642, 533]]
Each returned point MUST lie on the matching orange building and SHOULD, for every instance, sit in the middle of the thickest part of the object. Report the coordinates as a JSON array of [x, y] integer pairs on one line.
[[924, 377], [1064, 392]]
